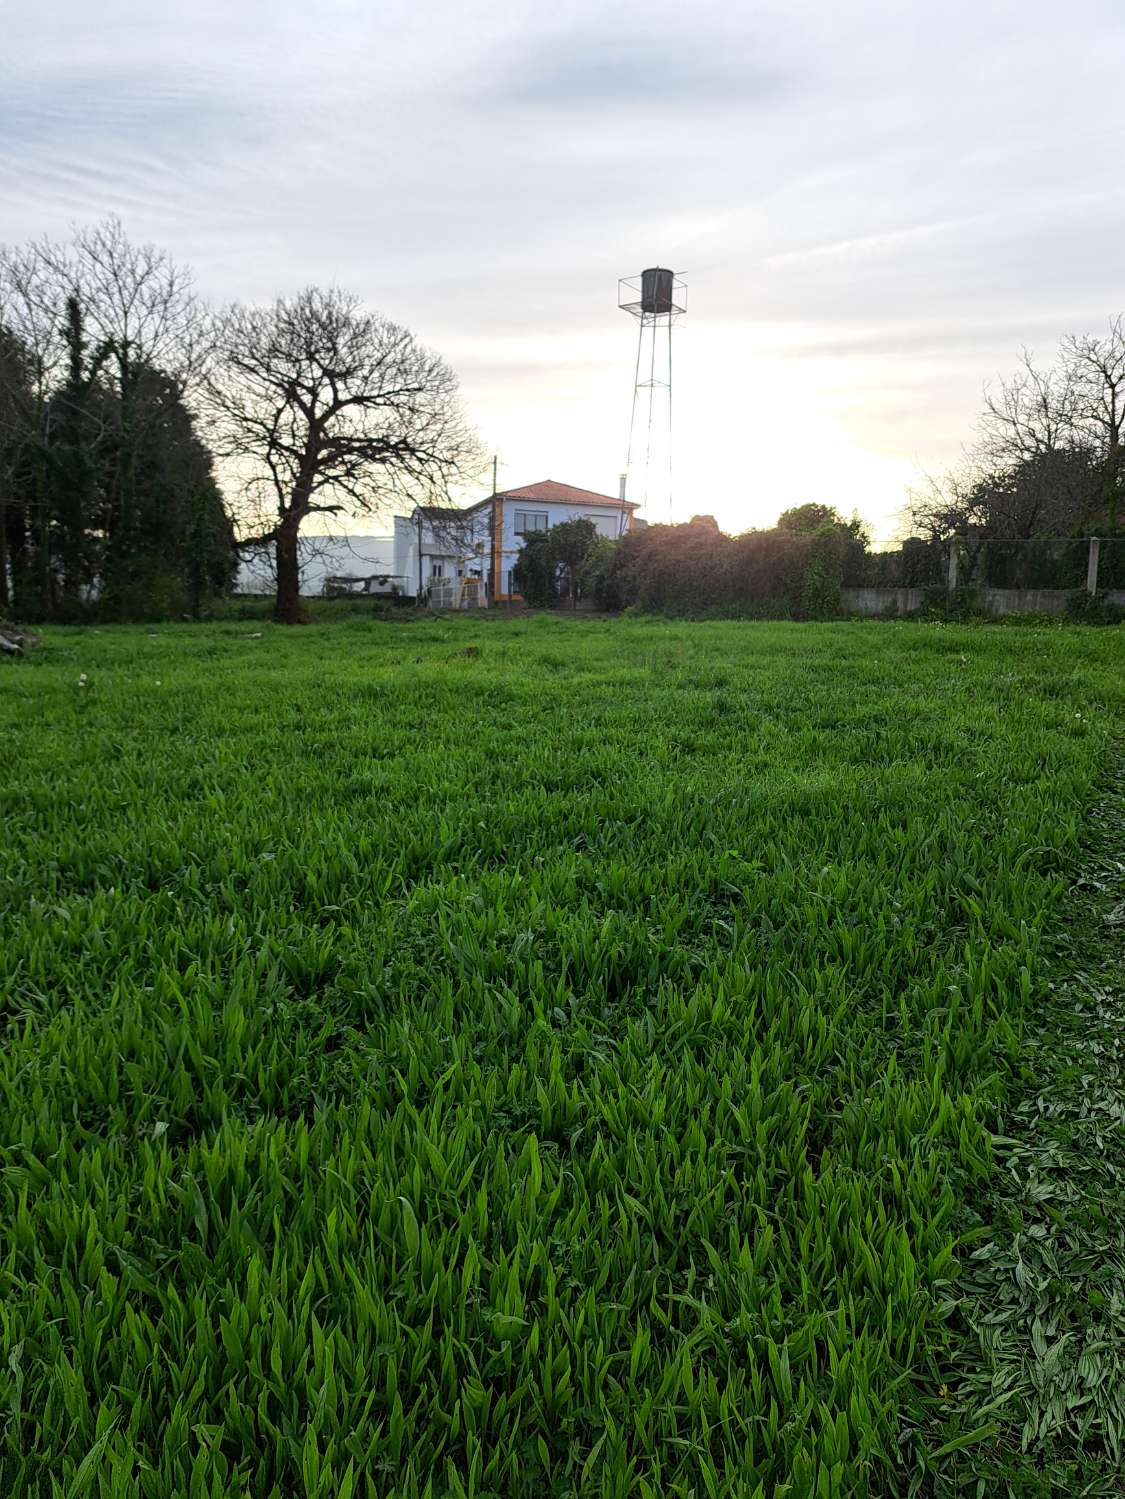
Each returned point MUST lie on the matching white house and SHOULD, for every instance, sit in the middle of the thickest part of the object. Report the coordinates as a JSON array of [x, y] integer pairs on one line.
[[454, 556], [484, 540]]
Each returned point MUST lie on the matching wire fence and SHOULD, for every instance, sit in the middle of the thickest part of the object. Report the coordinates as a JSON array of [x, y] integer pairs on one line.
[[1067, 563]]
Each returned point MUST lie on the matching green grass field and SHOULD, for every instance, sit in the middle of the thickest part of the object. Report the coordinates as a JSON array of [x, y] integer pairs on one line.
[[524, 1057]]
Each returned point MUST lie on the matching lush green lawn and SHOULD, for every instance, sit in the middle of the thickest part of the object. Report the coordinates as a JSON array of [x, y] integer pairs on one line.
[[555, 1068]]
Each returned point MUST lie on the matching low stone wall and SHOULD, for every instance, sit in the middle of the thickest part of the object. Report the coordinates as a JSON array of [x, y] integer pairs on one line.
[[1024, 600], [1036, 600], [879, 600], [994, 600]]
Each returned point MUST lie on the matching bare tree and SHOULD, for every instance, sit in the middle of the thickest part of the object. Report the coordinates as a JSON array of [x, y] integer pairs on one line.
[[323, 408], [1098, 365], [463, 535], [1032, 413], [1044, 494], [1050, 455], [33, 311], [944, 505], [135, 300], [134, 297], [1009, 482]]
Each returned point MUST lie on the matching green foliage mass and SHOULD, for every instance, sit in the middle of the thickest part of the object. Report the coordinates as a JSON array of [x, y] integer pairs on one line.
[[109, 505], [552, 563], [807, 520], [796, 570], [554, 1068], [535, 574]]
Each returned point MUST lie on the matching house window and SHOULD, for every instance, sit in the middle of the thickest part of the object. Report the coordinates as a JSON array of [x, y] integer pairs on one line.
[[436, 570], [530, 520], [607, 524]]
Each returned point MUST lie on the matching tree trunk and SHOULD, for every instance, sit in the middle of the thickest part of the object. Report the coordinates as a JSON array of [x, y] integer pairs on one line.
[[5, 596], [19, 558], [287, 606]]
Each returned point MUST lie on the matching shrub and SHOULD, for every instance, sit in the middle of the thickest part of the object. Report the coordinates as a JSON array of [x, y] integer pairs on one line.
[[535, 574], [598, 577], [1093, 608], [694, 570]]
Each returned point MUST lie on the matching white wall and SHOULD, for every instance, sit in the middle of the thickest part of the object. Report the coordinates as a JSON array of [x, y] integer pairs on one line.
[[321, 557], [463, 547]]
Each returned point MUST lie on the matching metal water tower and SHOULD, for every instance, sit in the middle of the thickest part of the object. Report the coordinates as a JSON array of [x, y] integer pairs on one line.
[[656, 298]]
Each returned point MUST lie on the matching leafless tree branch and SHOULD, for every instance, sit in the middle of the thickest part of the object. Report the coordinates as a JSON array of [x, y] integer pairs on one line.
[[321, 407]]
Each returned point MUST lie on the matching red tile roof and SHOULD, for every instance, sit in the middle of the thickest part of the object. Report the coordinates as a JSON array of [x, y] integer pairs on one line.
[[563, 494]]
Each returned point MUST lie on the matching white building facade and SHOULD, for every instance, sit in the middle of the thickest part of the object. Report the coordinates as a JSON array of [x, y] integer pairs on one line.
[[454, 557], [361, 564]]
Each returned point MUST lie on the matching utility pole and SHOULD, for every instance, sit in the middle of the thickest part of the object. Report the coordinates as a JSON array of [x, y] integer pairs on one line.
[[493, 539]]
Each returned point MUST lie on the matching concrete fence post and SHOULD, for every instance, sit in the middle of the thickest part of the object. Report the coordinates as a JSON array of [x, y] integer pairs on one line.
[[954, 548], [1092, 565]]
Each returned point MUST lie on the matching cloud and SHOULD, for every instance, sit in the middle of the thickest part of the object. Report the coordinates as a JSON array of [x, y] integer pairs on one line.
[[52, 105], [874, 205], [87, 140], [595, 68]]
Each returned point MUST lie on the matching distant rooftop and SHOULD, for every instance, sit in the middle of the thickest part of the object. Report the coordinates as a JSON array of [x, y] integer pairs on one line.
[[561, 494]]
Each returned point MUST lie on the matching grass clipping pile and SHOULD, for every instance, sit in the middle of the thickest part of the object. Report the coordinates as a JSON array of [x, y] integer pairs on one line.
[[1040, 1373]]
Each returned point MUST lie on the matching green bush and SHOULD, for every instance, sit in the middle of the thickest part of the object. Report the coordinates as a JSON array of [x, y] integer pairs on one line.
[[535, 574], [1093, 608], [598, 578]]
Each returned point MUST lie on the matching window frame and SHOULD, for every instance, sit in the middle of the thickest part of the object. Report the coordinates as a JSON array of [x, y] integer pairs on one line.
[[525, 530], [610, 519]]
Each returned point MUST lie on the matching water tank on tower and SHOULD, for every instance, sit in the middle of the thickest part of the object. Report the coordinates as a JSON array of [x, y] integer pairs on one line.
[[656, 298], [656, 290]]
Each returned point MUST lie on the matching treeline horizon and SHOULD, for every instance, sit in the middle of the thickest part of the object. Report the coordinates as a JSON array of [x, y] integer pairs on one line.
[[123, 396], [797, 569]]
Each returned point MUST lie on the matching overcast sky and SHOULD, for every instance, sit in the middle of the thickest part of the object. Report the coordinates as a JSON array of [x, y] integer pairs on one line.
[[874, 204]]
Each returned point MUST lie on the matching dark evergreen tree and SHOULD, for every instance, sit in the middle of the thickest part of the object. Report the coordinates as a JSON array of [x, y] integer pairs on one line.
[[74, 470], [16, 405], [169, 538], [107, 493]]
